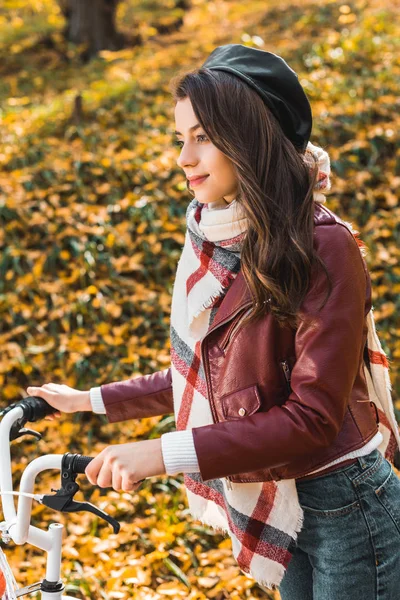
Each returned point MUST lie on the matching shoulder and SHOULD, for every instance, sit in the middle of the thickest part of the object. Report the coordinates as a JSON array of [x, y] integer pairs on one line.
[[323, 216], [333, 233], [338, 245]]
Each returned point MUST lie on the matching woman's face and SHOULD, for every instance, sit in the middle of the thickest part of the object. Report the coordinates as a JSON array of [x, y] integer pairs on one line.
[[199, 156]]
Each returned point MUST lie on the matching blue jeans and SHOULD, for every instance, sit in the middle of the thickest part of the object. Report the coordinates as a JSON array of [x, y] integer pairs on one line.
[[349, 546]]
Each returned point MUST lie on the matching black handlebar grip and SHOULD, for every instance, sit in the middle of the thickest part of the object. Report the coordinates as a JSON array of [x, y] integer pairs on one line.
[[41, 408], [80, 463], [34, 408]]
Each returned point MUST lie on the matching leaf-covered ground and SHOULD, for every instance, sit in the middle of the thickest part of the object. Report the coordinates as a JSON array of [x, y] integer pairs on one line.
[[92, 210]]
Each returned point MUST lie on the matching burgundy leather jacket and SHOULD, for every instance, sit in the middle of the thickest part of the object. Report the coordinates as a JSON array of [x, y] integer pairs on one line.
[[284, 401]]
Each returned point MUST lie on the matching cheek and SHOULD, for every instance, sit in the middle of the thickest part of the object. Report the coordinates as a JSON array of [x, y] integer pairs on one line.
[[221, 166], [226, 169]]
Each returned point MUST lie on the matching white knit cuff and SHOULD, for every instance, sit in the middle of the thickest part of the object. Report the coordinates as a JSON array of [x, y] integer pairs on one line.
[[178, 451], [96, 400]]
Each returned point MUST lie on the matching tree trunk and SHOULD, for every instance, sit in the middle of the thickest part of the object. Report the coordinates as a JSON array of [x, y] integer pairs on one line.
[[92, 23]]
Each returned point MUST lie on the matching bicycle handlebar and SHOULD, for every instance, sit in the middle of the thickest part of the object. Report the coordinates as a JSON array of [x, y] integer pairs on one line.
[[17, 526], [80, 462], [15, 416], [34, 407]]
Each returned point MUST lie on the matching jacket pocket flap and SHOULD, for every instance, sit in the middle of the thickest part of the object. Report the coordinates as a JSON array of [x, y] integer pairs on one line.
[[241, 403]]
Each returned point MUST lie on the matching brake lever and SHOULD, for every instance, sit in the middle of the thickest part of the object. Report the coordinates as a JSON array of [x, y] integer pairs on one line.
[[34, 408], [16, 432], [73, 506], [63, 500]]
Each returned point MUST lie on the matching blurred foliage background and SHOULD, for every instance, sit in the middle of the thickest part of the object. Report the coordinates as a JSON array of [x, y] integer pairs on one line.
[[92, 209]]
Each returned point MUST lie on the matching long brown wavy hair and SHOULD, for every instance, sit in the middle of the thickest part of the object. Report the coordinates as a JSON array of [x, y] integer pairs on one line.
[[275, 189]]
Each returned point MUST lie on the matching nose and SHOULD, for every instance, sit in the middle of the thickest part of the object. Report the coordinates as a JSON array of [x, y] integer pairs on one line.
[[187, 157]]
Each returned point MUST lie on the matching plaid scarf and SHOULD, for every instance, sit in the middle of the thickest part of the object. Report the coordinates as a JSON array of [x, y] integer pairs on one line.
[[262, 519]]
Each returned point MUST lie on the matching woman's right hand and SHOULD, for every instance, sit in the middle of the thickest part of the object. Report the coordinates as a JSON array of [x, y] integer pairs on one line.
[[62, 397]]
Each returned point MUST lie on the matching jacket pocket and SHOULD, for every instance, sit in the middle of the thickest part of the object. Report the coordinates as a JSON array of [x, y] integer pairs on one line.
[[240, 403]]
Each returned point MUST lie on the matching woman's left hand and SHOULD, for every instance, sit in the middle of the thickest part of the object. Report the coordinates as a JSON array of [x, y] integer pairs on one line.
[[123, 466]]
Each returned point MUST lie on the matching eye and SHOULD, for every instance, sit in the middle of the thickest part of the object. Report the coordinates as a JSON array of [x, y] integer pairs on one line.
[[203, 137]]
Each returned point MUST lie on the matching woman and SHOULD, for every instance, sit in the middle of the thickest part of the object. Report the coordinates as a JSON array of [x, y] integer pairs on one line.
[[278, 382]]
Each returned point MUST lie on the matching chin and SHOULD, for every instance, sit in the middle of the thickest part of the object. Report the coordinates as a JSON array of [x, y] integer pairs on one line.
[[203, 199]]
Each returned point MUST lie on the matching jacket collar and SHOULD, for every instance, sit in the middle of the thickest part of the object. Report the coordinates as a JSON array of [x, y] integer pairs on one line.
[[239, 296]]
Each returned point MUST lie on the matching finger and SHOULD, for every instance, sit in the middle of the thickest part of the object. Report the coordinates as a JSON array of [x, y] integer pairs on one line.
[[138, 484], [116, 481], [93, 469], [134, 487], [104, 478], [40, 391], [128, 485], [53, 416], [33, 390]]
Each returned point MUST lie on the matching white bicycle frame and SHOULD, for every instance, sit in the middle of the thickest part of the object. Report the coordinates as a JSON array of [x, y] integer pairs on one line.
[[16, 525]]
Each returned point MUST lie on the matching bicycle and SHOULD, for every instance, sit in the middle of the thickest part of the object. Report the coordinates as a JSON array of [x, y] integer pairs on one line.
[[17, 526]]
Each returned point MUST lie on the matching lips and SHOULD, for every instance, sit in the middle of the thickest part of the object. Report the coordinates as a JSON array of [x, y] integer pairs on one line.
[[197, 180]]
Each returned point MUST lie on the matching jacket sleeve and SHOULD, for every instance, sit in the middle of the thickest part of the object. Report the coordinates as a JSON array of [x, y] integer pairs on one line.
[[139, 397], [328, 354]]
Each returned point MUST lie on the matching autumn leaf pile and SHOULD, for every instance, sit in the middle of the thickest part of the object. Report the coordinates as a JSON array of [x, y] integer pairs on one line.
[[92, 209]]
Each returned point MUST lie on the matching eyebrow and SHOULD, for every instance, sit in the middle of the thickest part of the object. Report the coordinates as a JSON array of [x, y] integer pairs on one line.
[[190, 129]]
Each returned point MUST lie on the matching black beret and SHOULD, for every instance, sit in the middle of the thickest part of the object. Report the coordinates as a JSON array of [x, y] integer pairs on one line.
[[276, 82]]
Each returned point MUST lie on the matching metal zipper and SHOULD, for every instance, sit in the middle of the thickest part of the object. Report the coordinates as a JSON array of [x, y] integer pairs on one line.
[[229, 317], [234, 329], [287, 374], [207, 375], [205, 366], [214, 415]]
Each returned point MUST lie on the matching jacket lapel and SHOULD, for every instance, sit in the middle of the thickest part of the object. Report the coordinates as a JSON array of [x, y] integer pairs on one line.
[[237, 296]]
